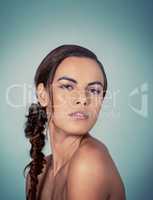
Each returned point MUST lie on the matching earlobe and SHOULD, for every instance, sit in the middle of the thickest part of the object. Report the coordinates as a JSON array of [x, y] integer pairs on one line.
[[42, 95]]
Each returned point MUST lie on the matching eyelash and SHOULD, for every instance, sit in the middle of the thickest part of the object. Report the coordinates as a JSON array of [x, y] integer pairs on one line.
[[67, 85]]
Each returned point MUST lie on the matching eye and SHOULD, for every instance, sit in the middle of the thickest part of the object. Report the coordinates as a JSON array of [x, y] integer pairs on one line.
[[94, 91], [67, 86]]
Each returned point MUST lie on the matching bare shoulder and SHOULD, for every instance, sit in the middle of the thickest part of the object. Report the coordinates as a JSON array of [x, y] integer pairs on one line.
[[92, 156], [94, 151], [94, 160]]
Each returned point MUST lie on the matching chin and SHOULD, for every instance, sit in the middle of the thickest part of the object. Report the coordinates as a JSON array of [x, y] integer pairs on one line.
[[77, 129], [74, 127]]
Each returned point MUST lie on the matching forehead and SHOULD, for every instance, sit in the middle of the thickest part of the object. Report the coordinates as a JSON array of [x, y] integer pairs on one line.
[[80, 68]]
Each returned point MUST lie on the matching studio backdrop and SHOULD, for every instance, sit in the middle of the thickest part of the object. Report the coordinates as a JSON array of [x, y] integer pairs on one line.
[[121, 34]]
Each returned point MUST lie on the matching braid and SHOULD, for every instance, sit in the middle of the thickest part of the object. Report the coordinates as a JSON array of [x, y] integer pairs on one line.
[[34, 128]]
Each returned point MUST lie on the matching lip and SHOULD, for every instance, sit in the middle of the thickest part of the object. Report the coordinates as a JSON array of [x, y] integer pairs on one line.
[[79, 115]]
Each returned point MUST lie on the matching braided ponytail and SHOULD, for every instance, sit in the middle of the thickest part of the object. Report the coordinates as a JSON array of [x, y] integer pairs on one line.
[[34, 128]]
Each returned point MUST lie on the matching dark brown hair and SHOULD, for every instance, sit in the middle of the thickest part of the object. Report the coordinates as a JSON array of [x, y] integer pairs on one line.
[[37, 117]]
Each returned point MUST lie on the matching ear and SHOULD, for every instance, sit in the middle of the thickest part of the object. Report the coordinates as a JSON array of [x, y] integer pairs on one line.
[[42, 95]]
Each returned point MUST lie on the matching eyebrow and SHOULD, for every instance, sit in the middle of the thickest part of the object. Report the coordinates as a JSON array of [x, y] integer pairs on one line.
[[74, 81]]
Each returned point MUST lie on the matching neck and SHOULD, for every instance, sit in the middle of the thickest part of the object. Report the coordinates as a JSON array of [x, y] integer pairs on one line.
[[63, 145]]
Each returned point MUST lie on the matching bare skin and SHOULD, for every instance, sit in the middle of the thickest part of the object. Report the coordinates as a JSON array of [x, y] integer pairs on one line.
[[91, 166], [91, 169], [94, 174]]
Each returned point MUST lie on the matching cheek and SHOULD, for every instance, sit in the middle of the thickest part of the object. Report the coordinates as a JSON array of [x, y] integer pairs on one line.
[[95, 107], [62, 107], [61, 99], [73, 127]]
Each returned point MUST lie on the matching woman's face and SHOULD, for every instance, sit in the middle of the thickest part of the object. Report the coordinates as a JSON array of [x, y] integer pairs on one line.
[[73, 90]]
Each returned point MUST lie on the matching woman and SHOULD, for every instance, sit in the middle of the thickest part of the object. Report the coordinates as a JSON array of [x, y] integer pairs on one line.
[[70, 87]]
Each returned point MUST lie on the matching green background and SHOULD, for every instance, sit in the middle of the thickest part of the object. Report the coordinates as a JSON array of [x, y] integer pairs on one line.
[[121, 34]]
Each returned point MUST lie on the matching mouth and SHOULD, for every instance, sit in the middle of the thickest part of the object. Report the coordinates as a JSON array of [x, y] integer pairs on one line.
[[79, 115]]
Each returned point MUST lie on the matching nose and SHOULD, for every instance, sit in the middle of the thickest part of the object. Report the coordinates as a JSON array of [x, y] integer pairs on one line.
[[82, 99]]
